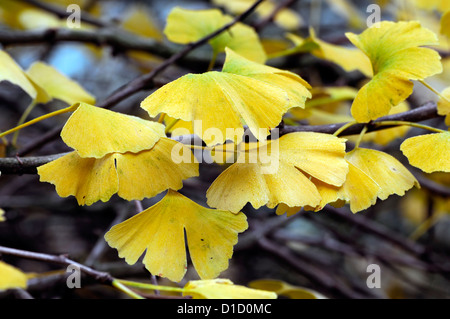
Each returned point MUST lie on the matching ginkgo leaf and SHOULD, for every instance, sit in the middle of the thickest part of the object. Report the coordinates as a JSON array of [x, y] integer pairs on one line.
[[2, 215], [133, 176], [185, 26], [359, 190], [141, 22], [11, 277], [88, 179], [384, 169], [397, 56], [293, 84], [443, 105], [445, 24], [148, 173], [160, 231], [10, 71], [223, 289], [94, 132], [280, 178], [349, 58], [57, 85], [282, 288], [220, 101], [430, 153]]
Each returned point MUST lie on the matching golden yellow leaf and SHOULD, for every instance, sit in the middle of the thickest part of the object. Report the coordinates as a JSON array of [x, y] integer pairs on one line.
[[350, 59], [185, 26], [133, 176], [282, 288], [397, 56], [10, 71], [278, 177], [88, 179], [57, 85], [2, 215], [11, 277], [223, 289], [220, 101], [443, 105], [385, 170], [160, 230], [445, 24], [95, 132], [141, 22], [430, 152], [294, 85]]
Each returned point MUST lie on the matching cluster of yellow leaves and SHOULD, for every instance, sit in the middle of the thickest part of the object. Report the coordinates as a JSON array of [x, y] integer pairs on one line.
[[42, 82], [115, 153], [11, 277]]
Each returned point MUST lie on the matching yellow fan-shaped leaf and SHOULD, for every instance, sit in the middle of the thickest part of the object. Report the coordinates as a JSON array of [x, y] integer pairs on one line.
[[11, 277], [441, 5], [220, 101], [350, 59], [294, 85], [10, 71], [385, 170], [133, 176], [430, 153], [160, 230], [141, 22], [274, 177], [445, 24], [443, 105], [57, 85], [2, 215], [396, 55], [88, 179], [95, 132], [185, 26], [148, 173], [223, 289]]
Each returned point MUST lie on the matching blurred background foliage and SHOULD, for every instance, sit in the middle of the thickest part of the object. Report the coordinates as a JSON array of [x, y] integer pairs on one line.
[[328, 251]]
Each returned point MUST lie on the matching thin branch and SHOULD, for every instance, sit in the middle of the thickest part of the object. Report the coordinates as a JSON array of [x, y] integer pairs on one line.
[[263, 23], [425, 112], [62, 260]]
